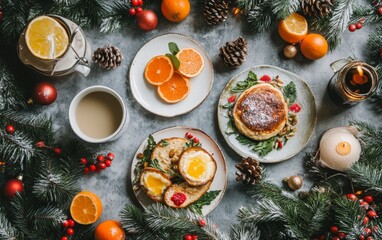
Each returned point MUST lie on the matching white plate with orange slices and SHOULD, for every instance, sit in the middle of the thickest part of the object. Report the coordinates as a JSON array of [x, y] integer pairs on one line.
[[161, 88], [180, 161]]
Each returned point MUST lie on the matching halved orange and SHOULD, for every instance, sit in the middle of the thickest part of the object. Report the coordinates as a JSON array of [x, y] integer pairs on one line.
[[174, 90], [86, 208], [293, 29], [191, 62], [46, 38], [159, 70]]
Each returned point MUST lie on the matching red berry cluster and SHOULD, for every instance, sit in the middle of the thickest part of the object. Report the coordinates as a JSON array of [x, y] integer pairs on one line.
[[68, 226], [137, 7], [379, 10], [41, 144], [355, 26], [101, 162], [191, 137], [190, 237]]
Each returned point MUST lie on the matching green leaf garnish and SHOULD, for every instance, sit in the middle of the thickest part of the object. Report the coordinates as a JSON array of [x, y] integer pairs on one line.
[[146, 158], [155, 164], [206, 199], [163, 143], [174, 60], [174, 49], [261, 147], [290, 92], [241, 86]]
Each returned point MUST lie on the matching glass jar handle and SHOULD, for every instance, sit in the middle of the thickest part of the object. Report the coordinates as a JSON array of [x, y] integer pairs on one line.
[[337, 65]]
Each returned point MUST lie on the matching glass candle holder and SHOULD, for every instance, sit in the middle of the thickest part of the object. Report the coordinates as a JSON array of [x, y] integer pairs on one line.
[[352, 82], [75, 59]]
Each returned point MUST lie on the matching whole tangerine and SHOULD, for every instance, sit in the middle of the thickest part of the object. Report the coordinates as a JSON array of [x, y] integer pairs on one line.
[[314, 46], [109, 230], [175, 11]]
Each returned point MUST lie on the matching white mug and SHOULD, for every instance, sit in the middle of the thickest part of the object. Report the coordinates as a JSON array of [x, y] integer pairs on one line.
[[73, 114]]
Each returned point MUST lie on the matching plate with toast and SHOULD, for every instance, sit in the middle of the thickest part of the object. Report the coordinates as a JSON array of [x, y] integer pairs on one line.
[[267, 113], [180, 167]]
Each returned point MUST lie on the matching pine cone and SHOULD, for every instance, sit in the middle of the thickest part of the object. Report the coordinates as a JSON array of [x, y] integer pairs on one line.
[[234, 53], [215, 11], [108, 57], [316, 7], [249, 171]]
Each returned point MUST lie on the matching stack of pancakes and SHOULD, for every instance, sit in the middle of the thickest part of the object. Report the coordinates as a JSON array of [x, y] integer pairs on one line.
[[260, 112]]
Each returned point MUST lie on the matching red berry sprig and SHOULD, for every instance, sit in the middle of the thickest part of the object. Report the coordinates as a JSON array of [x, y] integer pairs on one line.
[[190, 237], [101, 162], [192, 138], [137, 7], [41, 144], [356, 26], [68, 224]]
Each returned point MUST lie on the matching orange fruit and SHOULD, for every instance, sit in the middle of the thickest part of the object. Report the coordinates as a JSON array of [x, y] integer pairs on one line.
[[159, 70], [174, 90], [86, 208], [191, 62], [314, 46], [109, 230], [175, 10], [46, 38], [293, 29]]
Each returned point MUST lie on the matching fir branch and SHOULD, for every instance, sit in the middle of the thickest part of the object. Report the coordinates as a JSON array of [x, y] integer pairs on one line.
[[261, 17], [283, 8], [247, 5], [366, 176], [19, 209], [366, 14], [46, 218], [265, 211], [269, 190], [10, 95], [245, 232], [371, 139], [17, 148], [349, 217], [133, 220], [118, 18], [14, 20], [334, 25], [7, 230], [374, 43]]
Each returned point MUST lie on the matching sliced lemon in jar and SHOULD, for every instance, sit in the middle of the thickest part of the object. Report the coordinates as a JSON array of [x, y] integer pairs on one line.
[[46, 38]]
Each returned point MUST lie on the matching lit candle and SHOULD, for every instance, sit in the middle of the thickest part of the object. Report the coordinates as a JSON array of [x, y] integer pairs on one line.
[[236, 11], [343, 148], [358, 77]]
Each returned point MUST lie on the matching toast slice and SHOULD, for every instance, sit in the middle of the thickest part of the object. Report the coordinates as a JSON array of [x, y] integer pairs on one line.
[[154, 183], [197, 166], [167, 152], [192, 193]]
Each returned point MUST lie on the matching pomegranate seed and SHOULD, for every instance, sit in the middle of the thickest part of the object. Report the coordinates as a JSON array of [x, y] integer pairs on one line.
[[232, 99], [265, 78]]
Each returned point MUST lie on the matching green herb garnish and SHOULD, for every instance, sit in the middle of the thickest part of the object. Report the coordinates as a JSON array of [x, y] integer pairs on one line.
[[241, 86], [146, 158], [174, 49], [290, 92], [261, 147], [206, 199], [192, 143], [163, 143], [155, 164]]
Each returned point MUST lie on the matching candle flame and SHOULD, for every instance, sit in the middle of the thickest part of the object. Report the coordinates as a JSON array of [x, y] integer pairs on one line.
[[360, 71]]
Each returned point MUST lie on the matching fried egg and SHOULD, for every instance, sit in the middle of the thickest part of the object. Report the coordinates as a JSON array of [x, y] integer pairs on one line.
[[197, 166], [154, 183]]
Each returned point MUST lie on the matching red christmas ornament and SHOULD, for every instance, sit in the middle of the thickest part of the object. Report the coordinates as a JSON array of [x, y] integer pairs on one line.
[[10, 129], [147, 20], [380, 10], [11, 187], [352, 27], [45, 93]]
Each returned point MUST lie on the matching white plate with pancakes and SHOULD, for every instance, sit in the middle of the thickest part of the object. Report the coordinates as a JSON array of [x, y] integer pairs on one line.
[[306, 118], [192, 184], [146, 94]]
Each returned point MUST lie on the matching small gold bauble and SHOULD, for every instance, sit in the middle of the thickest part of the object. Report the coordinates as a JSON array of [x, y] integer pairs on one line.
[[290, 51], [294, 182]]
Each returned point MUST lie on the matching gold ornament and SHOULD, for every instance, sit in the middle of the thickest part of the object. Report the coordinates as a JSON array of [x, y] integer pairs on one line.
[[294, 182], [290, 51]]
